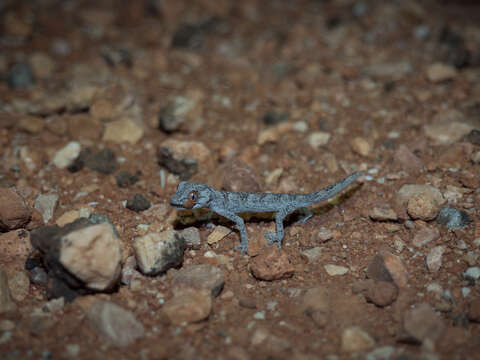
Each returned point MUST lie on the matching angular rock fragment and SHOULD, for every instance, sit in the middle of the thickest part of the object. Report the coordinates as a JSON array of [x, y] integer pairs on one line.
[[218, 234], [46, 205], [158, 252], [191, 236], [79, 257], [388, 267], [93, 255]]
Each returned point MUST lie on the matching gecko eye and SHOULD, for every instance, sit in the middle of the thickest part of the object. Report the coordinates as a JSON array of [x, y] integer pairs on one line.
[[191, 200]]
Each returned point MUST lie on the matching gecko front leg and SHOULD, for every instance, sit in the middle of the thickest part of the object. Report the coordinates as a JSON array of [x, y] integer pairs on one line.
[[240, 226]]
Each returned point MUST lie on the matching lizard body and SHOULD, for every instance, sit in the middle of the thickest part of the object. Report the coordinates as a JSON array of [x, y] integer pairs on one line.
[[228, 204]]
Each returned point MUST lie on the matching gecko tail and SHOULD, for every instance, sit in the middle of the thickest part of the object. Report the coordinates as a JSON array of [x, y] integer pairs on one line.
[[334, 189]]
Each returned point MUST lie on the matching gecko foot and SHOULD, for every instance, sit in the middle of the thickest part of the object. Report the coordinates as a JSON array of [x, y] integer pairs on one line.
[[243, 248], [307, 215], [273, 238]]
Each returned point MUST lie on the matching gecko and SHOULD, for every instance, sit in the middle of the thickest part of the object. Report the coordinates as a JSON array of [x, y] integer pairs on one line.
[[196, 195]]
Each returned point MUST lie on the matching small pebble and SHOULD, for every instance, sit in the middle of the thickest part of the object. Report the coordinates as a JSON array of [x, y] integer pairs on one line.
[[66, 156], [361, 146], [138, 203], [434, 258], [46, 205], [335, 270], [318, 139], [125, 179]]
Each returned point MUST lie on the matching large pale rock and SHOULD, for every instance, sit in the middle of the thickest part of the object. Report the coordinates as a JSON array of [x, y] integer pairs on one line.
[[93, 255]]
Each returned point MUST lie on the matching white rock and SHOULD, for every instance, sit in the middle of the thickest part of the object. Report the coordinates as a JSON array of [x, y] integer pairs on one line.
[[93, 255], [67, 155], [318, 138]]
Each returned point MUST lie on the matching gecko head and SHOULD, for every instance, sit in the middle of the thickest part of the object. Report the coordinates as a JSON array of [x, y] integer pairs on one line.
[[191, 196]]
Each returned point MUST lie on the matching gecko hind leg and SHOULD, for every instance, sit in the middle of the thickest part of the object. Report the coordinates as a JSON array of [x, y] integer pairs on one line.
[[307, 214]]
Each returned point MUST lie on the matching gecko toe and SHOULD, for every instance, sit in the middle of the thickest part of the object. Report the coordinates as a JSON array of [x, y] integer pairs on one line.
[[243, 248], [272, 238]]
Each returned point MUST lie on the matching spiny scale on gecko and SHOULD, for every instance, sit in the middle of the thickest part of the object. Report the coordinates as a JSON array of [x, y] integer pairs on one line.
[[229, 204]]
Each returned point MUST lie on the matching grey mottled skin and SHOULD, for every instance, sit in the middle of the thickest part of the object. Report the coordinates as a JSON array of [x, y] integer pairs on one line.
[[229, 204]]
